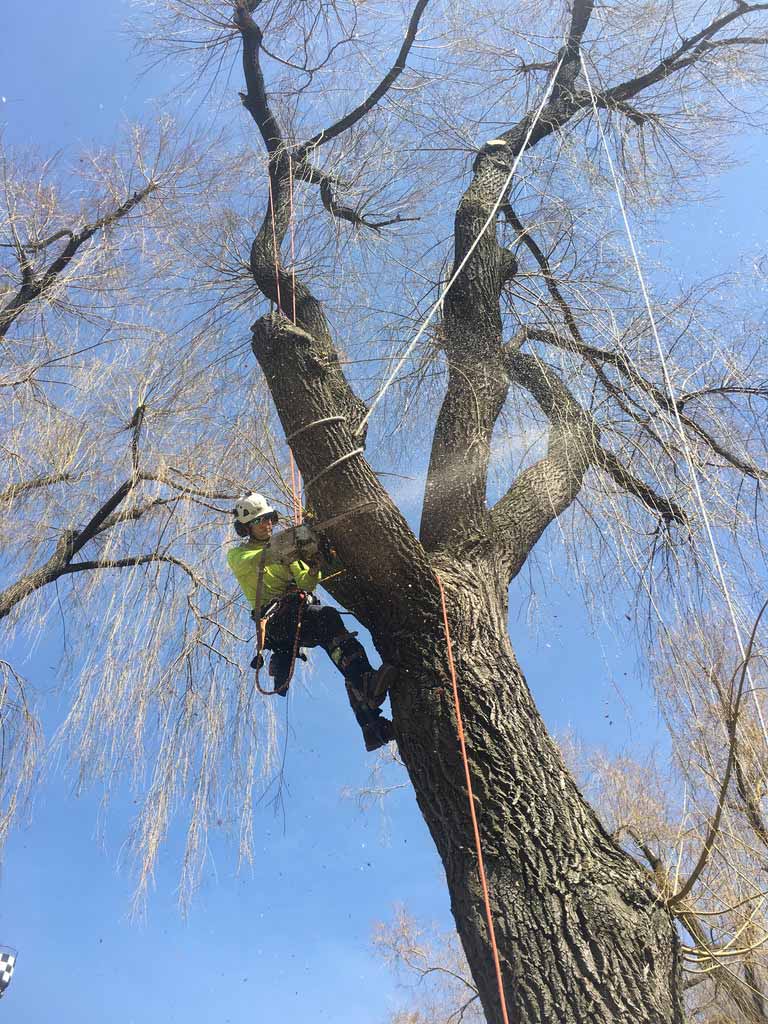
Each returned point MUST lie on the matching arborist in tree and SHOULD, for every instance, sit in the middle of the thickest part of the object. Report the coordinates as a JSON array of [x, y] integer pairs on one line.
[[294, 618]]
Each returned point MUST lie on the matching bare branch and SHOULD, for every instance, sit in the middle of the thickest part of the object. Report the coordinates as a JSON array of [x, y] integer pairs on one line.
[[667, 510], [38, 285], [132, 561], [44, 243], [689, 51], [594, 356], [70, 542], [381, 89], [734, 704], [352, 216]]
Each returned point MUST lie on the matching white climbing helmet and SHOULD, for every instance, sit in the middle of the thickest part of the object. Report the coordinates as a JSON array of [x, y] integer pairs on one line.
[[252, 507]]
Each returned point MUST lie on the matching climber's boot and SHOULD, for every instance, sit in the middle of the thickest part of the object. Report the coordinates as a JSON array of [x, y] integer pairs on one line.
[[374, 684], [349, 657], [377, 733], [369, 686]]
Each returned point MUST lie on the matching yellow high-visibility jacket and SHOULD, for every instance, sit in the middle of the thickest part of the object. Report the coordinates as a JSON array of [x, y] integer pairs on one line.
[[278, 579]]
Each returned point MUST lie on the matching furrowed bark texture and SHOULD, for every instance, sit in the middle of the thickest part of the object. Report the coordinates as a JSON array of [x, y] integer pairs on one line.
[[582, 933]]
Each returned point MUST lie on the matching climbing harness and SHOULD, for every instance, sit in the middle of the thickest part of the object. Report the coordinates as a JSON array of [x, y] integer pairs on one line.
[[298, 543], [261, 620], [300, 597]]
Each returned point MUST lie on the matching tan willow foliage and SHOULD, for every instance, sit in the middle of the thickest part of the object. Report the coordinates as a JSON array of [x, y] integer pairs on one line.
[[125, 433]]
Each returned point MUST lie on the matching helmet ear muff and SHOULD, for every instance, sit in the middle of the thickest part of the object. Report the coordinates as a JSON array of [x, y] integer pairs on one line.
[[241, 529]]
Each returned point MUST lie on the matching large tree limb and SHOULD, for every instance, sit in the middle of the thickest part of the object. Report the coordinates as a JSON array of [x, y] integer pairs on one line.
[[541, 493], [255, 99], [546, 388], [494, 162], [546, 489], [570, 63], [455, 492], [667, 510], [472, 339], [285, 290], [291, 296]]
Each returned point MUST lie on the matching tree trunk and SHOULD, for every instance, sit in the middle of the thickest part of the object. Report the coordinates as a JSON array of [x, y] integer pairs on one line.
[[582, 933]]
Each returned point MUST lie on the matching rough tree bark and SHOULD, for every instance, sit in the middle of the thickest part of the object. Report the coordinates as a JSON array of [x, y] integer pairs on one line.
[[583, 931]]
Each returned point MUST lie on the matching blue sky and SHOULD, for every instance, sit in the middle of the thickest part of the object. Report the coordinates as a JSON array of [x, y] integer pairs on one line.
[[290, 937]]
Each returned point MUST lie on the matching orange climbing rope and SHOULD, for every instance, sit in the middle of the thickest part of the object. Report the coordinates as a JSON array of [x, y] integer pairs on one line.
[[472, 814], [260, 637], [295, 475]]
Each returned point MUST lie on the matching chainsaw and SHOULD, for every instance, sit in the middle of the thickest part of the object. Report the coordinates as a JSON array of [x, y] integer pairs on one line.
[[306, 543]]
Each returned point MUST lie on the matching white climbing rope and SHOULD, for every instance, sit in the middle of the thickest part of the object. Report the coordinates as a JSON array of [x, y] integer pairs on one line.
[[438, 303], [673, 399]]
